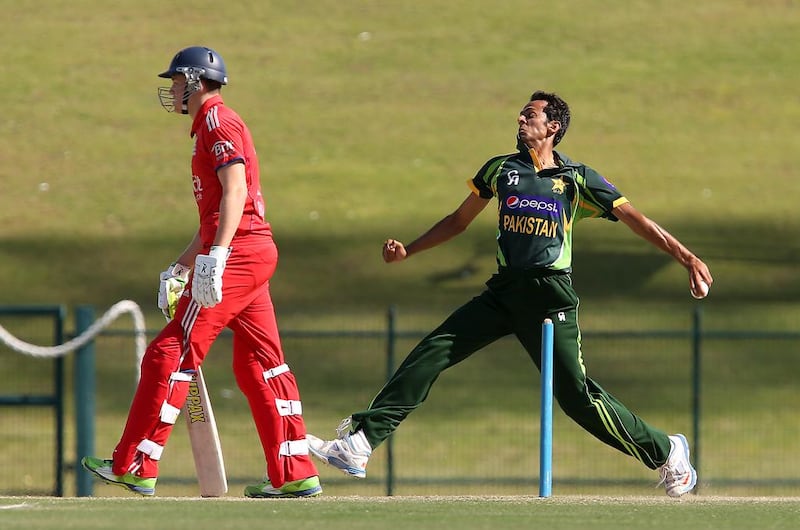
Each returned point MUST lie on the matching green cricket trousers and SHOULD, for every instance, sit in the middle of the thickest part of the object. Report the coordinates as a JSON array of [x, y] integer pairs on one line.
[[516, 302]]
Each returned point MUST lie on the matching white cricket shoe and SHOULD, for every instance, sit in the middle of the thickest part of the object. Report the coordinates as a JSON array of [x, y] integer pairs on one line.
[[349, 452], [677, 473]]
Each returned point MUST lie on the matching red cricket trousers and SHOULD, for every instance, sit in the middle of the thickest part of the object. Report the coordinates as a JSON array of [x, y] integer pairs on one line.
[[258, 365]]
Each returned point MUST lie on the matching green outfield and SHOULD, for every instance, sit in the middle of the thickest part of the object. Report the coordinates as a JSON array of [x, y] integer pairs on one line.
[[354, 513], [478, 432], [369, 117]]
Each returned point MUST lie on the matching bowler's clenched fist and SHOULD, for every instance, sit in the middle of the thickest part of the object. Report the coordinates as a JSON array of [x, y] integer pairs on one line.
[[393, 250]]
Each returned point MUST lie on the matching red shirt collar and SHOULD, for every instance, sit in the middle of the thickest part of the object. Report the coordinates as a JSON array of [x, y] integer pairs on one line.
[[200, 117]]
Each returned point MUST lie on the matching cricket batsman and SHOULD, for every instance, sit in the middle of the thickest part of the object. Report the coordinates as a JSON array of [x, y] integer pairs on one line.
[[221, 280]]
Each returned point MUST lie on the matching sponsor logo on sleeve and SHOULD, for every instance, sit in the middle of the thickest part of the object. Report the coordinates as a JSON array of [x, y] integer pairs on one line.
[[222, 149]]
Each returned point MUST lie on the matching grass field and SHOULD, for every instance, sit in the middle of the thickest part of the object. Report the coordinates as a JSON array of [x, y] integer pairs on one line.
[[369, 116], [401, 513], [460, 442]]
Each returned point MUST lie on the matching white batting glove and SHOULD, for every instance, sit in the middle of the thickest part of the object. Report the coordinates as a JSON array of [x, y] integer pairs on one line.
[[207, 282], [173, 281]]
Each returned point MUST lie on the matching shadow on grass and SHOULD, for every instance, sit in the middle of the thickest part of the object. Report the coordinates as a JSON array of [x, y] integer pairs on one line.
[[749, 262]]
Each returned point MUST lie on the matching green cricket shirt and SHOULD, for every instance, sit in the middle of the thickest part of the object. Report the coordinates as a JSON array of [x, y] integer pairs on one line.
[[537, 210]]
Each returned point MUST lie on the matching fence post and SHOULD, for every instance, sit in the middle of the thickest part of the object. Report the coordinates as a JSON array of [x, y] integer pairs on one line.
[[59, 395], [84, 383], [391, 338], [697, 338]]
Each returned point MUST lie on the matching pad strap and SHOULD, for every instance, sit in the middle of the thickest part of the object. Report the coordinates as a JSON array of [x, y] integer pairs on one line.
[[274, 372], [293, 448], [169, 414], [287, 407], [150, 448]]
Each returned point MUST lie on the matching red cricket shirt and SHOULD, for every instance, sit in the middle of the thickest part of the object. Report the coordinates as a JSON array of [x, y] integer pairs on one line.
[[222, 138]]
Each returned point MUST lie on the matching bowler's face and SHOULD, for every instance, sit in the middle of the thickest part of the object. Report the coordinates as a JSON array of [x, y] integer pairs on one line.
[[532, 122]]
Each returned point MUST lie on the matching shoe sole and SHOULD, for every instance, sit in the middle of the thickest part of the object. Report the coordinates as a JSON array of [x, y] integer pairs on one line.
[[685, 489], [344, 468], [146, 492]]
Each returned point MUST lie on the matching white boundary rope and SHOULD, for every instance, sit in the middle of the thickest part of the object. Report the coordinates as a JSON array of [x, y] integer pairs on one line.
[[124, 306]]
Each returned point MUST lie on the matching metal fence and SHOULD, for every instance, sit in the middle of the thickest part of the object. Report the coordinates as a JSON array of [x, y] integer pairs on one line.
[[32, 395], [731, 392]]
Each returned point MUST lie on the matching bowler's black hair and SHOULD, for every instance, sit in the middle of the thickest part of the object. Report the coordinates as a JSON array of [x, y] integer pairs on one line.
[[556, 110]]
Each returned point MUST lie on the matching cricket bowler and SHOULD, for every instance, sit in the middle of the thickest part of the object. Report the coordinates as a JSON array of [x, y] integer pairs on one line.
[[540, 195]]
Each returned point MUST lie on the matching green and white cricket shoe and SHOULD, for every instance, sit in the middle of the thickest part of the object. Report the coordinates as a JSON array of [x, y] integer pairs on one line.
[[677, 473], [306, 487], [102, 469], [349, 452]]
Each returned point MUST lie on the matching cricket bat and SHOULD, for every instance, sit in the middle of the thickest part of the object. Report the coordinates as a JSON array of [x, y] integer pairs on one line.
[[204, 437]]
